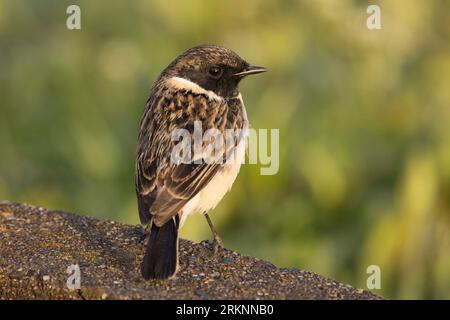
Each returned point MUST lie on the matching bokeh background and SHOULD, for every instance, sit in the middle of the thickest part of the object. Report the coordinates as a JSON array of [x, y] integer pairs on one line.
[[363, 116]]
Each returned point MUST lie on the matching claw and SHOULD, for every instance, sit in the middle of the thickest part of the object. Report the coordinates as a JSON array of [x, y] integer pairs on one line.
[[217, 244], [145, 234]]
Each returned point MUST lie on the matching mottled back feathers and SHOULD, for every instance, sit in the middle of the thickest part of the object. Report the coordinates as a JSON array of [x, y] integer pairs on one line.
[[163, 187]]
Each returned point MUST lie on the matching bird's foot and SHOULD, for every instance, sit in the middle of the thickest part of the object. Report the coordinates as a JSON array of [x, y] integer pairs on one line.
[[217, 245], [145, 235], [217, 242]]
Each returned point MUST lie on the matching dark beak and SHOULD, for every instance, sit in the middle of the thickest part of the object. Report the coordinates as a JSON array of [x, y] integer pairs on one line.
[[250, 70]]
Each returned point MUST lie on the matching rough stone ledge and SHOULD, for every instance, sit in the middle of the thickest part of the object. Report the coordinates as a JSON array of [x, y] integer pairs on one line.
[[38, 245]]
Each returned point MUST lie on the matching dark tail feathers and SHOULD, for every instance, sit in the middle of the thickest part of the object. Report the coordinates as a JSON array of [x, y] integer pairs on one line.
[[161, 259]]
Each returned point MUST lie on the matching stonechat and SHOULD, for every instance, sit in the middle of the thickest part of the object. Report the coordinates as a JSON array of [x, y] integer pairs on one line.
[[199, 87]]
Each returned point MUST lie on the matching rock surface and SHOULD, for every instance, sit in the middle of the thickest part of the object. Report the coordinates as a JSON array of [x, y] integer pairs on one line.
[[38, 245]]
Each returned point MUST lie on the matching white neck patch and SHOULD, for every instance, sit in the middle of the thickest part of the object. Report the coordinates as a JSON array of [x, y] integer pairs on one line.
[[181, 83]]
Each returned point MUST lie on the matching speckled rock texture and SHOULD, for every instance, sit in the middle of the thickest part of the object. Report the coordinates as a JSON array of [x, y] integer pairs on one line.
[[38, 245]]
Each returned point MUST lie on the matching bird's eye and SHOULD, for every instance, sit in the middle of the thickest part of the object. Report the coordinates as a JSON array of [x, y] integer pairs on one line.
[[215, 72]]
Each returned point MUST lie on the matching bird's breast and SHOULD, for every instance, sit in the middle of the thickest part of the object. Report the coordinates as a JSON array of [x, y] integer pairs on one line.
[[208, 198]]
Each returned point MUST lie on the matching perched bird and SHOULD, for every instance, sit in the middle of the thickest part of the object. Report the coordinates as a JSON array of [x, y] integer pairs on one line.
[[200, 85]]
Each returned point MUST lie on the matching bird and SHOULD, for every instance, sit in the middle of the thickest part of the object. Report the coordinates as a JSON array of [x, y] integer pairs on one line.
[[200, 86]]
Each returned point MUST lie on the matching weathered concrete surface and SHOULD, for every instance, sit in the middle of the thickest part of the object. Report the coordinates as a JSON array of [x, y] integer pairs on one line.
[[37, 246]]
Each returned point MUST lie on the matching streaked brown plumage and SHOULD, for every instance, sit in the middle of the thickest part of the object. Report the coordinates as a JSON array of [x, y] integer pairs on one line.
[[200, 85]]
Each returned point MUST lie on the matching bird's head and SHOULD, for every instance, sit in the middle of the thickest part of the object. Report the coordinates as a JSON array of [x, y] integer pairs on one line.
[[213, 68]]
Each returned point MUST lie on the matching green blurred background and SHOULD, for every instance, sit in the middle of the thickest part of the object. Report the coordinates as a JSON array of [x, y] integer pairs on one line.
[[363, 116]]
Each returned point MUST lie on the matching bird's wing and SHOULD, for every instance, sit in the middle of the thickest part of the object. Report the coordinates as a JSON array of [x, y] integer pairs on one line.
[[164, 187], [146, 165]]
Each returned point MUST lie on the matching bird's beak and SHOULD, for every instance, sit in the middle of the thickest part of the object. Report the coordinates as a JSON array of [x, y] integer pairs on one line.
[[250, 70]]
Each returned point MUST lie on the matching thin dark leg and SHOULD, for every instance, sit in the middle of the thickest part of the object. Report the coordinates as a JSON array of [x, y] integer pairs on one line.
[[145, 234], [217, 243]]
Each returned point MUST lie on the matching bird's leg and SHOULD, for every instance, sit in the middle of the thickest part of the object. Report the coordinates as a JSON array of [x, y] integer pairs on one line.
[[217, 243], [145, 234]]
